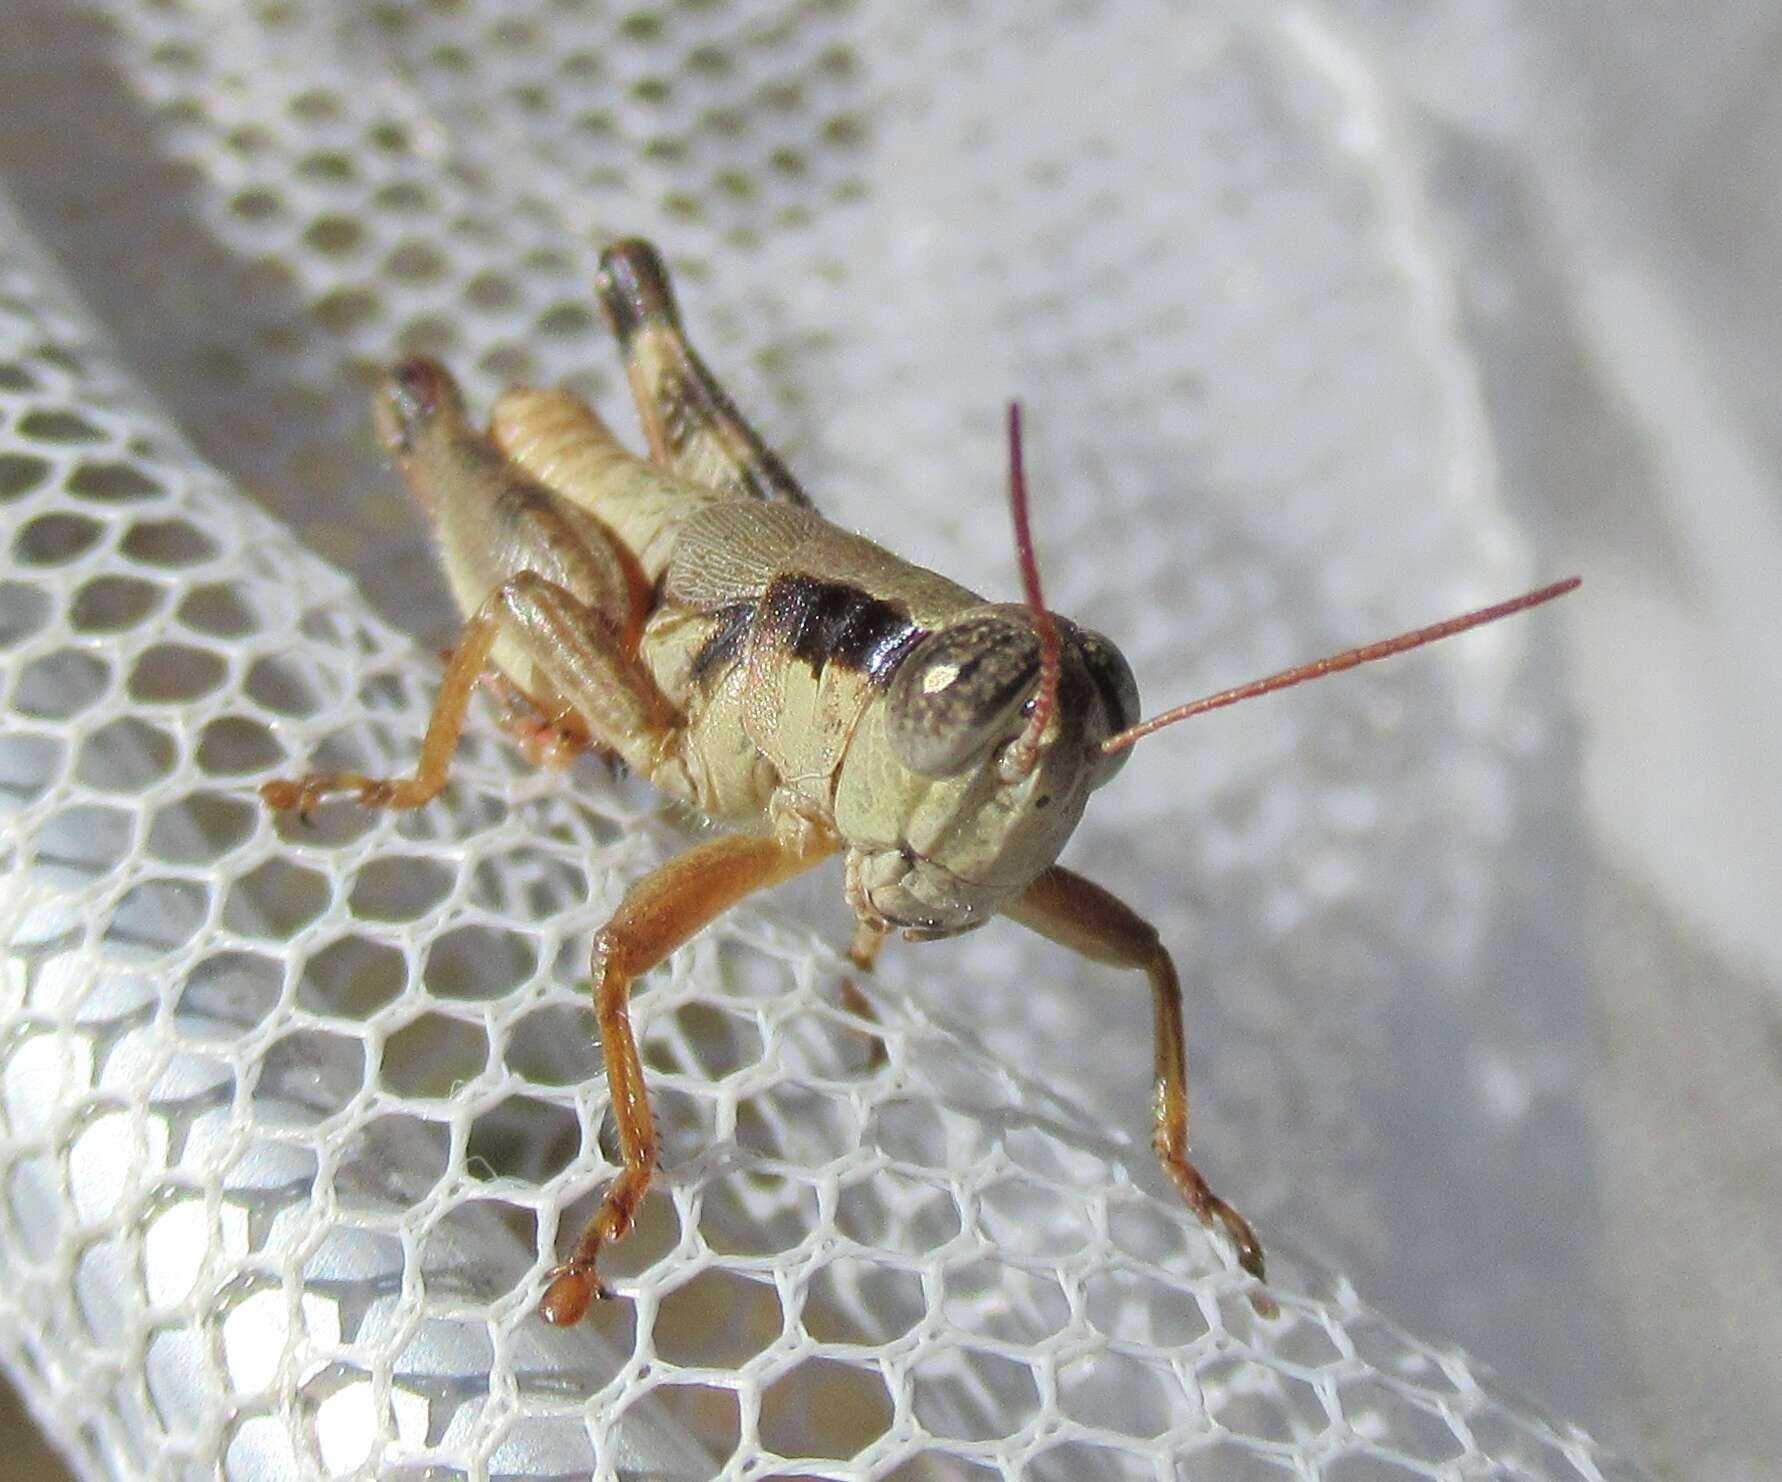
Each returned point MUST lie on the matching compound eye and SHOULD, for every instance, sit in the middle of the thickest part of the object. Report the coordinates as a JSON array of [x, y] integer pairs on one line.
[[960, 692], [1116, 692]]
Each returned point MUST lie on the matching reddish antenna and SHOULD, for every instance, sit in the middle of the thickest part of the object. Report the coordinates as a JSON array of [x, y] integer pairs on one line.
[[1024, 754], [1336, 663]]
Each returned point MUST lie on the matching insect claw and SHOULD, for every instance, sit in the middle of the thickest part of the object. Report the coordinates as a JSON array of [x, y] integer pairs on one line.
[[1237, 1229], [1249, 1254], [1212, 1211], [574, 1288]]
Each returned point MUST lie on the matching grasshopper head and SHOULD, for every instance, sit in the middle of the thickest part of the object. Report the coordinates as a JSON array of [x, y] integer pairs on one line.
[[987, 746], [954, 802], [995, 730]]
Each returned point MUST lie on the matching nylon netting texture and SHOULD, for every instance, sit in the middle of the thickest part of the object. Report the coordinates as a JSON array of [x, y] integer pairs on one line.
[[295, 1120]]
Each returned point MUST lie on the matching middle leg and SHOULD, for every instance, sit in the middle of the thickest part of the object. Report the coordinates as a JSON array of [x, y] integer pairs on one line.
[[572, 645]]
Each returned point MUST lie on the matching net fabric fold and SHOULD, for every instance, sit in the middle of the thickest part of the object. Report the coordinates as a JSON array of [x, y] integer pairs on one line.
[[295, 1119]]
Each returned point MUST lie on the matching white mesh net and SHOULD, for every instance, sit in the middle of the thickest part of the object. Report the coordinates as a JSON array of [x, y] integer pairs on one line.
[[295, 1120]]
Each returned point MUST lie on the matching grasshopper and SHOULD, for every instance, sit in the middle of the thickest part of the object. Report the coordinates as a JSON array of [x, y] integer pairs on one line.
[[693, 615]]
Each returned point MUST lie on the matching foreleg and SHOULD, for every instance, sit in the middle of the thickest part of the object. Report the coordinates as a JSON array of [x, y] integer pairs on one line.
[[863, 954], [1079, 914]]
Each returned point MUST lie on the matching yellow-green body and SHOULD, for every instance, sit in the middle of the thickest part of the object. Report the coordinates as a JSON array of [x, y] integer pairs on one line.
[[694, 616], [773, 740]]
